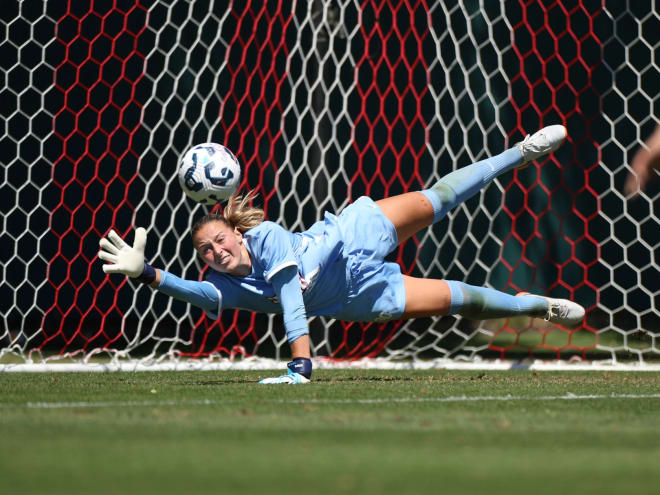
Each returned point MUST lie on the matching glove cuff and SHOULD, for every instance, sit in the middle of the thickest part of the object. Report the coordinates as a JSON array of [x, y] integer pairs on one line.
[[302, 366], [148, 274]]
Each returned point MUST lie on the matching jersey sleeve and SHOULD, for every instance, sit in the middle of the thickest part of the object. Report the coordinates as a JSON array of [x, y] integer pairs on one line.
[[270, 247], [287, 288], [201, 294]]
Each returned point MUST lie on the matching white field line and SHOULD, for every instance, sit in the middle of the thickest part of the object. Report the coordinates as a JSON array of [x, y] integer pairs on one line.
[[399, 400]]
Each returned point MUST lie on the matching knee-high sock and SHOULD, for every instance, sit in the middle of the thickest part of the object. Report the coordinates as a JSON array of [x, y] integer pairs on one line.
[[456, 187], [481, 303]]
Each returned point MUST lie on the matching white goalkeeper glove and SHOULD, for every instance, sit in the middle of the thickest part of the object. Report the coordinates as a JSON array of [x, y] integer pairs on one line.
[[291, 378], [297, 371], [121, 257]]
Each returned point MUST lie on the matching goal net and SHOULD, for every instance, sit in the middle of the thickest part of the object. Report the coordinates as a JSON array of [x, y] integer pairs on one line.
[[322, 102]]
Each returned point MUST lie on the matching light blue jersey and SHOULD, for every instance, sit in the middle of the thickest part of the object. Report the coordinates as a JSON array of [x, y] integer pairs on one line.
[[340, 266]]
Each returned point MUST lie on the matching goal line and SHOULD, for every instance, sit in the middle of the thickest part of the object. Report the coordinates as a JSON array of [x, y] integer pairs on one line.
[[256, 363]]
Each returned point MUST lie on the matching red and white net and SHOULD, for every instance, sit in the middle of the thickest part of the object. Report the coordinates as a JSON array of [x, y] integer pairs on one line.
[[323, 102]]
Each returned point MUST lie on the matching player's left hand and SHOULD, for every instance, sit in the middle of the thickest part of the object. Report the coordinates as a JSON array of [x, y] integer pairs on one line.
[[291, 378], [121, 257]]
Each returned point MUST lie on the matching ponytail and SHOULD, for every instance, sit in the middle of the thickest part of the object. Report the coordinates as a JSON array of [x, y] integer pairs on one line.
[[240, 215], [237, 214]]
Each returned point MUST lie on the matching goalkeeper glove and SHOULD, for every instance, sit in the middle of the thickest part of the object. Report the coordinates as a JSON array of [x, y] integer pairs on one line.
[[298, 371], [125, 259]]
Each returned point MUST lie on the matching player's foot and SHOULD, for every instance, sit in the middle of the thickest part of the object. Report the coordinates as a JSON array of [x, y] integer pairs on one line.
[[560, 311], [541, 143]]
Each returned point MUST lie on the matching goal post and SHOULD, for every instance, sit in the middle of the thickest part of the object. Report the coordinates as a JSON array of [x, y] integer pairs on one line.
[[322, 102]]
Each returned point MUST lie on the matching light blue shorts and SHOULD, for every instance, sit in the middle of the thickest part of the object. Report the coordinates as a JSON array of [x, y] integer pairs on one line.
[[376, 291]]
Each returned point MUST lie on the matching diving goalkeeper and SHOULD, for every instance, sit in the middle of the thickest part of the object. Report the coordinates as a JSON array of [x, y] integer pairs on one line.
[[336, 268]]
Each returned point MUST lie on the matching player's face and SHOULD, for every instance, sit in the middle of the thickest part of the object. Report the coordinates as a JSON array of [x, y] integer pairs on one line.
[[222, 248]]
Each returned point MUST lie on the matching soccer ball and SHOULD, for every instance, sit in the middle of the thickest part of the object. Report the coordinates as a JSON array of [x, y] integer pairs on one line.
[[209, 173]]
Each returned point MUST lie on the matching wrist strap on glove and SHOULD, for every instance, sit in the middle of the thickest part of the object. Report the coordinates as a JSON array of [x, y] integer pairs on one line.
[[302, 366], [148, 274]]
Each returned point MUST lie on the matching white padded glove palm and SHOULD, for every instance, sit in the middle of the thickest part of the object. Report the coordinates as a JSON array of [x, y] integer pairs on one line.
[[121, 257]]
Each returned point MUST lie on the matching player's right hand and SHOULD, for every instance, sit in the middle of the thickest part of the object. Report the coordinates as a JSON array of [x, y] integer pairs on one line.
[[121, 257]]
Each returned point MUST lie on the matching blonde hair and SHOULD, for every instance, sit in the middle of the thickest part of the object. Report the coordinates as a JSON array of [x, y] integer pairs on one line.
[[237, 214]]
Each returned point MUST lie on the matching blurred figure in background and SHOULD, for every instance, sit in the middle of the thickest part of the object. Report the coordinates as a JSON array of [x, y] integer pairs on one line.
[[645, 164]]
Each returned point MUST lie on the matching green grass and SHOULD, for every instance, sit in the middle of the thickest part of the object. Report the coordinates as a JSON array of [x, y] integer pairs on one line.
[[328, 437]]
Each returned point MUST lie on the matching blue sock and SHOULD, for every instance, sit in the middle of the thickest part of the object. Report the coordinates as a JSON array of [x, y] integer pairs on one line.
[[481, 303], [456, 187]]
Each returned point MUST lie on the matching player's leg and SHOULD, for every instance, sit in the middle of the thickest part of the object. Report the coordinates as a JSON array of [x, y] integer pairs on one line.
[[411, 212], [429, 297], [432, 297], [414, 211], [408, 212]]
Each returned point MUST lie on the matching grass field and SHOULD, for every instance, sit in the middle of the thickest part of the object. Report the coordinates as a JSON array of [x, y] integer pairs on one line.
[[347, 432]]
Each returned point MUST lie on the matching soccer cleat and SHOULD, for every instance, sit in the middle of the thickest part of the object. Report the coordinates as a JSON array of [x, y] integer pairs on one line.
[[560, 311], [541, 143], [291, 378]]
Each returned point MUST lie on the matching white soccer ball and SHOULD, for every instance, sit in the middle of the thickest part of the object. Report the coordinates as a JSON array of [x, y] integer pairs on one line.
[[209, 173]]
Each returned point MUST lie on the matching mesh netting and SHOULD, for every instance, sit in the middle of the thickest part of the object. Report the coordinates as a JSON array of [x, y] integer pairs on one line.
[[323, 102]]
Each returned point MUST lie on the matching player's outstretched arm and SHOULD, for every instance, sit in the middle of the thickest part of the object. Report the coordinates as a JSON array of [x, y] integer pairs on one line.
[[645, 164], [129, 260]]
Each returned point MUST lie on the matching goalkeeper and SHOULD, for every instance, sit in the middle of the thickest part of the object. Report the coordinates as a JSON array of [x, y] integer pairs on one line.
[[336, 268]]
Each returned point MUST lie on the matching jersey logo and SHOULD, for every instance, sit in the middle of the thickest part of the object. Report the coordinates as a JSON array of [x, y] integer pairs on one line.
[[308, 281]]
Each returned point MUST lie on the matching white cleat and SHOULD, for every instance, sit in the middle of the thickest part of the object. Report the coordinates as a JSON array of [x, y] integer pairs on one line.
[[561, 311], [541, 143]]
